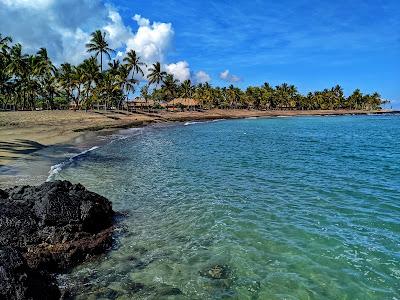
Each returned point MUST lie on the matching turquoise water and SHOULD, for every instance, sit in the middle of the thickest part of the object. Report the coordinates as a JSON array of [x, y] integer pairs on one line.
[[290, 208]]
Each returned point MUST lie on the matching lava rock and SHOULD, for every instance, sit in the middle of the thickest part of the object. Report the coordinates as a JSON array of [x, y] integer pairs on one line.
[[48, 228], [18, 281], [56, 225]]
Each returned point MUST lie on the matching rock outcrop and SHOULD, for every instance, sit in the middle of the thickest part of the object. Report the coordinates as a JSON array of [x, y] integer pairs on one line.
[[51, 227], [18, 281]]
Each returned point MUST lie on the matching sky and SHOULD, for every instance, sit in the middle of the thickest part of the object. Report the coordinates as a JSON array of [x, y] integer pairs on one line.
[[311, 44]]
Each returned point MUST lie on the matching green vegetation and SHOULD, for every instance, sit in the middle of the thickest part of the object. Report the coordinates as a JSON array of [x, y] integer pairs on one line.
[[32, 82]]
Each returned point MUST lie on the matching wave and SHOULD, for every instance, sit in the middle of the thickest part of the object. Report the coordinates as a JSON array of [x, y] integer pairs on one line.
[[201, 122], [54, 170], [192, 123]]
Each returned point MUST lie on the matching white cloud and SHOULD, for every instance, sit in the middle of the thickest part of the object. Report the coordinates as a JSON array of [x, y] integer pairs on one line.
[[141, 21], [64, 27], [202, 77], [117, 32], [224, 75], [227, 76], [180, 70], [153, 41], [37, 4]]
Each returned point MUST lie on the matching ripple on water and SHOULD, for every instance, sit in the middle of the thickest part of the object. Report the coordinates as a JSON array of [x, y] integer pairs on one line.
[[296, 208]]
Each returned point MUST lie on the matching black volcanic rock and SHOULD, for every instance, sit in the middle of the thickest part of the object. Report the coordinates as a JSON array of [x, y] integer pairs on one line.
[[51, 227], [18, 281], [56, 225]]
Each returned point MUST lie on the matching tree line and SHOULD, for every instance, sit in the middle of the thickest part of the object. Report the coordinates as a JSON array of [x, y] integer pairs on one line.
[[32, 81]]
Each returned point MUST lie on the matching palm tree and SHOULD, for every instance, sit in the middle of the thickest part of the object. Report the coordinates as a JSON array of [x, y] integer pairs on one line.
[[126, 84], [44, 63], [65, 78], [186, 89], [91, 77], [169, 87], [4, 41], [155, 74], [99, 45], [144, 92], [133, 63], [114, 67]]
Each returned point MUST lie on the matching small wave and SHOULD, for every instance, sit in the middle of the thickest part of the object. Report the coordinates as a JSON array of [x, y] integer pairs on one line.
[[192, 123], [58, 167], [201, 122]]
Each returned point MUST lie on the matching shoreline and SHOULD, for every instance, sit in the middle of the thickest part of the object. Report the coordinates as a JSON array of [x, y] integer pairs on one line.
[[33, 142]]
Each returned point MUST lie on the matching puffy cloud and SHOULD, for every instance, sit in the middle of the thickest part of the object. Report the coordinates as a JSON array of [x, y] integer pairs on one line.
[[151, 41], [180, 70], [227, 76], [202, 77], [141, 21], [64, 27], [116, 30]]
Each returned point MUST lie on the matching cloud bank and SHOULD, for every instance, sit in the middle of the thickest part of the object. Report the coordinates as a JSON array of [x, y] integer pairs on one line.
[[64, 27]]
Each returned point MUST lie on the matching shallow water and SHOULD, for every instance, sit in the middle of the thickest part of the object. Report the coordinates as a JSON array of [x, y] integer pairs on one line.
[[289, 208]]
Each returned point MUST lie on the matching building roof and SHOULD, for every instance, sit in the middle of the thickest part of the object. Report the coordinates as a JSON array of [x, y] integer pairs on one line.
[[141, 102], [184, 101]]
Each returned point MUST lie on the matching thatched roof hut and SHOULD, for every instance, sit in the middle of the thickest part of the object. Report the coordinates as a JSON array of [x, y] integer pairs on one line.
[[140, 103], [188, 102]]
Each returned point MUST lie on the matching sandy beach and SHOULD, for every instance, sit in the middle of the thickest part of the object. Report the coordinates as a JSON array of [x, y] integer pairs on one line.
[[25, 132], [32, 142]]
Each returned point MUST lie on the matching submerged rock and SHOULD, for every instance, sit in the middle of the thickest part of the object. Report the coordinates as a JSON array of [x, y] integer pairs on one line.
[[216, 272], [51, 227]]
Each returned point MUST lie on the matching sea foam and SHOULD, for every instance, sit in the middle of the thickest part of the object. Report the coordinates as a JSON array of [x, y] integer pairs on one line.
[[54, 170]]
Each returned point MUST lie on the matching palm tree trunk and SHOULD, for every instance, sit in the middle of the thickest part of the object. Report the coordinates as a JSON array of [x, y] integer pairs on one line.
[[101, 62]]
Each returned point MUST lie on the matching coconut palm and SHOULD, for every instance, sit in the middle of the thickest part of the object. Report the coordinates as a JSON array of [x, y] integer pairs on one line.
[[133, 63], [91, 77], [99, 46], [155, 74], [186, 89], [144, 92], [126, 84], [169, 87], [65, 79], [4, 47]]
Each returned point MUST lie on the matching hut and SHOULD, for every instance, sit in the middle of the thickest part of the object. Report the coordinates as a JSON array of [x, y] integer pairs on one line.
[[183, 103], [140, 104]]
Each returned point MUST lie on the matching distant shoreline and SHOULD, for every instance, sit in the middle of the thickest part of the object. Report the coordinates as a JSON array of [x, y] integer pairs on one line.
[[25, 135]]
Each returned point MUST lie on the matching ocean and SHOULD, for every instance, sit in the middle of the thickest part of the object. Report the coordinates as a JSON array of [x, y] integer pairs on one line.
[[267, 208]]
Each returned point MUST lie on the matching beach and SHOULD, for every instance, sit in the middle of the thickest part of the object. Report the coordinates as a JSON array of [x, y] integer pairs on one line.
[[33, 143], [242, 206], [25, 132]]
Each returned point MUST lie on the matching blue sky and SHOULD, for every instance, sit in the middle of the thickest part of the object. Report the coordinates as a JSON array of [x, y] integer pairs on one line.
[[312, 44]]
